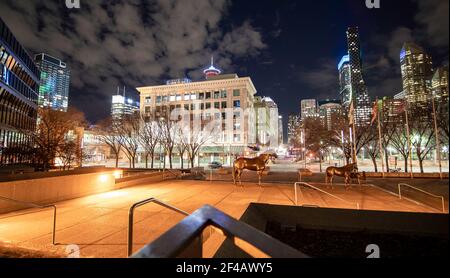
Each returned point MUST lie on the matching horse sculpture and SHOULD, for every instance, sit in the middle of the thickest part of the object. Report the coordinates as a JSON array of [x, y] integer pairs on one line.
[[257, 164], [345, 172]]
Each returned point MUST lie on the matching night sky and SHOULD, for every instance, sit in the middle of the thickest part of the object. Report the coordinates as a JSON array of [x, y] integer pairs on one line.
[[289, 48]]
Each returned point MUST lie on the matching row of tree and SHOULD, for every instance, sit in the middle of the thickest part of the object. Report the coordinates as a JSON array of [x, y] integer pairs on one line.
[[394, 134], [137, 134]]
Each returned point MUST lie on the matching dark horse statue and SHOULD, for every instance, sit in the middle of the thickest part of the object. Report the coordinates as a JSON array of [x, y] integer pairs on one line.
[[344, 172], [257, 164]]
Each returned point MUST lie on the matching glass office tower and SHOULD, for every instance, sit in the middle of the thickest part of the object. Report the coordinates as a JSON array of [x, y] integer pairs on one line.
[[55, 82], [19, 86], [360, 95]]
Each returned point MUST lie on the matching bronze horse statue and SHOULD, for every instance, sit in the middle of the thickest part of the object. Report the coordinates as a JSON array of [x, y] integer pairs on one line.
[[344, 172], [257, 164]]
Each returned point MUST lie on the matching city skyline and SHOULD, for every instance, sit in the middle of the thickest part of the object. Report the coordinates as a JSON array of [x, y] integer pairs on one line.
[[279, 71]]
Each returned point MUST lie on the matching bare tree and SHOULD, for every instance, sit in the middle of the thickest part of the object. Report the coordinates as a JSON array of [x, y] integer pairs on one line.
[[422, 139], [399, 140], [149, 137], [197, 133], [128, 129], [107, 134], [168, 129], [52, 133]]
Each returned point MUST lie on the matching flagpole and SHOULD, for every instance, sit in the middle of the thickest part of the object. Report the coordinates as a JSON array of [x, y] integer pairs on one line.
[[380, 141], [438, 144], [409, 142]]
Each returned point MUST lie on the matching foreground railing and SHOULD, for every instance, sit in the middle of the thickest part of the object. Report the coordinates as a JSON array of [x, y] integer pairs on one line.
[[33, 205], [185, 239], [323, 191], [131, 218], [400, 195]]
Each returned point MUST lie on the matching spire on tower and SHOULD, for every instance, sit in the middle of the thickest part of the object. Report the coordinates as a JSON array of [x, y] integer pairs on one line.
[[212, 70]]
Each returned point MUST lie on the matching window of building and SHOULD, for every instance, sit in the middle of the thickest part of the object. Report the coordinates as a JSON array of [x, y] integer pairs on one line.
[[224, 94], [208, 105], [237, 138], [224, 104], [202, 106], [148, 100], [216, 95], [237, 104], [179, 98], [217, 105], [237, 126], [208, 96], [201, 96], [193, 96], [158, 99], [237, 93], [186, 107], [187, 96]]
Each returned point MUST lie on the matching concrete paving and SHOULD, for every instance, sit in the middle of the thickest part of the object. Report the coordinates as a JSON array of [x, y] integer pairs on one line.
[[98, 223]]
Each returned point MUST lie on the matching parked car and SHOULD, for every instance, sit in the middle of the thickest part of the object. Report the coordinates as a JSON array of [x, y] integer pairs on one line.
[[215, 165]]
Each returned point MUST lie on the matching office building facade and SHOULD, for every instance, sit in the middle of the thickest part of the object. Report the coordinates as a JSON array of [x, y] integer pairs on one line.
[[308, 109], [122, 107], [294, 123], [345, 83], [359, 93], [19, 87], [226, 98], [416, 68], [439, 84], [55, 83], [330, 114], [267, 122]]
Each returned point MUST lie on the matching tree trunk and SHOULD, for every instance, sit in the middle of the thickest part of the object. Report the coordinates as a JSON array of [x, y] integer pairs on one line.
[[171, 159], [421, 165], [182, 161], [146, 160], [374, 161], [405, 157], [386, 157]]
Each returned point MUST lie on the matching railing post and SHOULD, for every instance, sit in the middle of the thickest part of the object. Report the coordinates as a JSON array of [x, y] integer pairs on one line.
[[54, 225], [296, 196], [400, 191], [130, 231]]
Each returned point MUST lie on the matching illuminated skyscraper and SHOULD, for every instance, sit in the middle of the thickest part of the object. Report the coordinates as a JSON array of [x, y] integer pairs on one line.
[[294, 123], [19, 86], [309, 108], [55, 82], [359, 93], [439, 84], [416, 66], [345, 82], [122, 106]]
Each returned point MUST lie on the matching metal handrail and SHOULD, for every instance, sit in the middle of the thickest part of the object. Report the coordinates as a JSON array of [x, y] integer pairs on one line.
[[131, 218], [420, 190], [33, 205], [320, 190], [182, 241]]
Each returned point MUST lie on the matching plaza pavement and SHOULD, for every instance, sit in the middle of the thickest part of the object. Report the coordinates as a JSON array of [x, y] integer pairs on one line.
[[98, 223]]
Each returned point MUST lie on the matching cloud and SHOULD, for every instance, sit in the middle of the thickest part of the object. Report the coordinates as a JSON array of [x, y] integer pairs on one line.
[[133, 42], [323, 80], [433, 19]]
